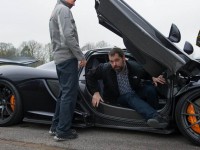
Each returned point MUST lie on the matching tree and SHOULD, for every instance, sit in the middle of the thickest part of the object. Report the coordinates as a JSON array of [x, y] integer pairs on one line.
[[102, 44], [88, 46], [7, 50], [26, 51], [48, 52], [32, 47]]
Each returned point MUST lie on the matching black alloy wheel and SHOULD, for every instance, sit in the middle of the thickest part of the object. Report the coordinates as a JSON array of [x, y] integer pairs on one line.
[[188, 115], [10, 104]]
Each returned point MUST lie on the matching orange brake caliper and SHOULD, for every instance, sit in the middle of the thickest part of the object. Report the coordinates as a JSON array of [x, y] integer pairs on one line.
[[193, 119], [12, 102]]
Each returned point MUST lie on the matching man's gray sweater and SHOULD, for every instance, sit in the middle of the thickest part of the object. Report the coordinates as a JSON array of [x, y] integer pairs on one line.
[[63, 32]]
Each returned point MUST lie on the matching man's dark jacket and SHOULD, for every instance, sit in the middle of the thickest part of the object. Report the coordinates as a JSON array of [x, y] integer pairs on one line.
[[108, 75]]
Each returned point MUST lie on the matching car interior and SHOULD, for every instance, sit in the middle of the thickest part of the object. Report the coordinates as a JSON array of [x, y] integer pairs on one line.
[[95, 60]]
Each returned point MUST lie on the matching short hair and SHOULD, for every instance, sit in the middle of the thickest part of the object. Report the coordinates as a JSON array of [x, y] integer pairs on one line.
[[116, 50]]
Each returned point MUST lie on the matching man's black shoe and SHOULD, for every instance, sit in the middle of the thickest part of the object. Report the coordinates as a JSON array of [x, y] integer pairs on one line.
[[52, 132], [71, 135], [157, 122]]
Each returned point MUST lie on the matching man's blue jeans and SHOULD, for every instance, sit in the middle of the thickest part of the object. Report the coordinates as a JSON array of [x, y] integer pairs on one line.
[[68, 79], [134, 101]]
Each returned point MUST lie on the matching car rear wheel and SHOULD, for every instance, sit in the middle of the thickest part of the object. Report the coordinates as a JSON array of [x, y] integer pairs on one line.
[[10, 104], [188, 115]]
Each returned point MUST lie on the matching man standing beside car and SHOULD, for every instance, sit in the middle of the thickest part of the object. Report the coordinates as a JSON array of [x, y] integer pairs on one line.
[[66, 54], [122, 83]]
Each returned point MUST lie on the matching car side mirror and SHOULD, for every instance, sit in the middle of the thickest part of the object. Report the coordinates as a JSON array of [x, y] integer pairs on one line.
[[188, 48], [174, 34]]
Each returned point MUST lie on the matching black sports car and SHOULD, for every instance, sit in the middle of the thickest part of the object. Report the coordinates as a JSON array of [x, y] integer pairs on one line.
[[30, 93]]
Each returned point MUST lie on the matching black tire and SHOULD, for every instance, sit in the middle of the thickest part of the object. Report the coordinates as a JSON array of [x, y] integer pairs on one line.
[[187, 115], [10, 104]]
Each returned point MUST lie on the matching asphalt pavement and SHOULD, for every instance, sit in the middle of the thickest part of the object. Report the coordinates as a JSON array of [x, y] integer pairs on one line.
[[28, 136]]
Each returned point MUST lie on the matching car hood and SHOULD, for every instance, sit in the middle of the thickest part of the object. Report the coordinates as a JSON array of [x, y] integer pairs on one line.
[[146, 43]]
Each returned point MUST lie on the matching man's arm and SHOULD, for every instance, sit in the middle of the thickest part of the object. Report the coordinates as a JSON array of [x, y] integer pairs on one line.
[[144, 75], [138, 68], [96, 98], [160, 79], [92, 78]]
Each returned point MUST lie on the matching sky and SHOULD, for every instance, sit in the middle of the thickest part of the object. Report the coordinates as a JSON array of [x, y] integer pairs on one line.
[[25, 20]]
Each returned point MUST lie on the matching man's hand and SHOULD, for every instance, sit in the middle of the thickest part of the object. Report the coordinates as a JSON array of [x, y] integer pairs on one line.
[[159, 79], [82, 63], [96, 99]]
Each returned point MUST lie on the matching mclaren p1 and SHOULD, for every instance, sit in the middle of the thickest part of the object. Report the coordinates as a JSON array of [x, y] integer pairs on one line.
[[29, 94]]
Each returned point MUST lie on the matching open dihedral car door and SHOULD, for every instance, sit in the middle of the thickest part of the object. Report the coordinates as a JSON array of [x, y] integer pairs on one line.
[[148, 45], [198, 39]]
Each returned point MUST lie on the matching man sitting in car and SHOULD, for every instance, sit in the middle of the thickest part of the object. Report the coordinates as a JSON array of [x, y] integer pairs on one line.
[[122, 84]]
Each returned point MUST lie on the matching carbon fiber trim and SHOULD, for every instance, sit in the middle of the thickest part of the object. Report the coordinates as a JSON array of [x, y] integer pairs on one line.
[[104, 121]]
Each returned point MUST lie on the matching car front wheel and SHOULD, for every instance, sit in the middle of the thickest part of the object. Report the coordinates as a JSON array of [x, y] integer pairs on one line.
[[10, 104], [188, 115]]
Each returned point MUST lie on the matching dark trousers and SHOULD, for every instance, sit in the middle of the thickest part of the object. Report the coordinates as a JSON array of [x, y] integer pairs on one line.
[[135, 100], [68, 79]]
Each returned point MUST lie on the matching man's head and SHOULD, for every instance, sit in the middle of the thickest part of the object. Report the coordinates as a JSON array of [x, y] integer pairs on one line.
[[70, 3], [117, 58]]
